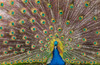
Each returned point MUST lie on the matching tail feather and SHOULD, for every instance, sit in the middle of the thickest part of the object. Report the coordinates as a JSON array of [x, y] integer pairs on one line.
[[27, 28]]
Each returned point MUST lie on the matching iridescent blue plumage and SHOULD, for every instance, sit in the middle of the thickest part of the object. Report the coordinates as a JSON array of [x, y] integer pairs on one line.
[[56, 60]]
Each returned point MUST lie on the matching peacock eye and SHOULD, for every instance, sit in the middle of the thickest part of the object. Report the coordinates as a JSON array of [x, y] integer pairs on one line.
[[11, 12], [1, 17], [1, 35], [33, 29], [33, 20], [62, 37], [84, 29], [42, 14], [34, 10], [18, 45], [36, 36], [23, 10], [53, 20], [27, 42], [50, 35], [84, 54], [51, 28], [12, 33], [5, 42], [38, 2], [12, 2], [59, 29], [22, 30], [86, 4], [78, 45], [97, 32], [70, 39], [28, 52], [60, 12], [84, 39], [11, 62], [71, 48], [25, 1], [71, 6], [1, 4], [66, 59], [95, 43], [67, 22], [1, 28], [13, 38], [12, 23], [49, 5], [81, 18], [41, 48], [37, 55], [22, 22], [5, 52], [98, 53], [71, 31], [45, 45], [45, 31], [22, 50], [41, 42], [43, 22], [15, 52], [95, 18], [10, 48]]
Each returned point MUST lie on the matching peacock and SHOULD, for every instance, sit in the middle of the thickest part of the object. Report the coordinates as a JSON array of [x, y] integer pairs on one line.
[[52, 32]]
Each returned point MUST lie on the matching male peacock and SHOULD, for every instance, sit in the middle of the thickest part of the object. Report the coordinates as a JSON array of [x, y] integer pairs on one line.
[[47, 31]]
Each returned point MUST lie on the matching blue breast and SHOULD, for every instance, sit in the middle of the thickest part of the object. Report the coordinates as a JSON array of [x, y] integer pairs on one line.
[[56, 60]]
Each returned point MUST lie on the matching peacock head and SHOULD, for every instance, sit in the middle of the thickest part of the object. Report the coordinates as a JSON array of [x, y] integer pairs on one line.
[[55, 43]]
